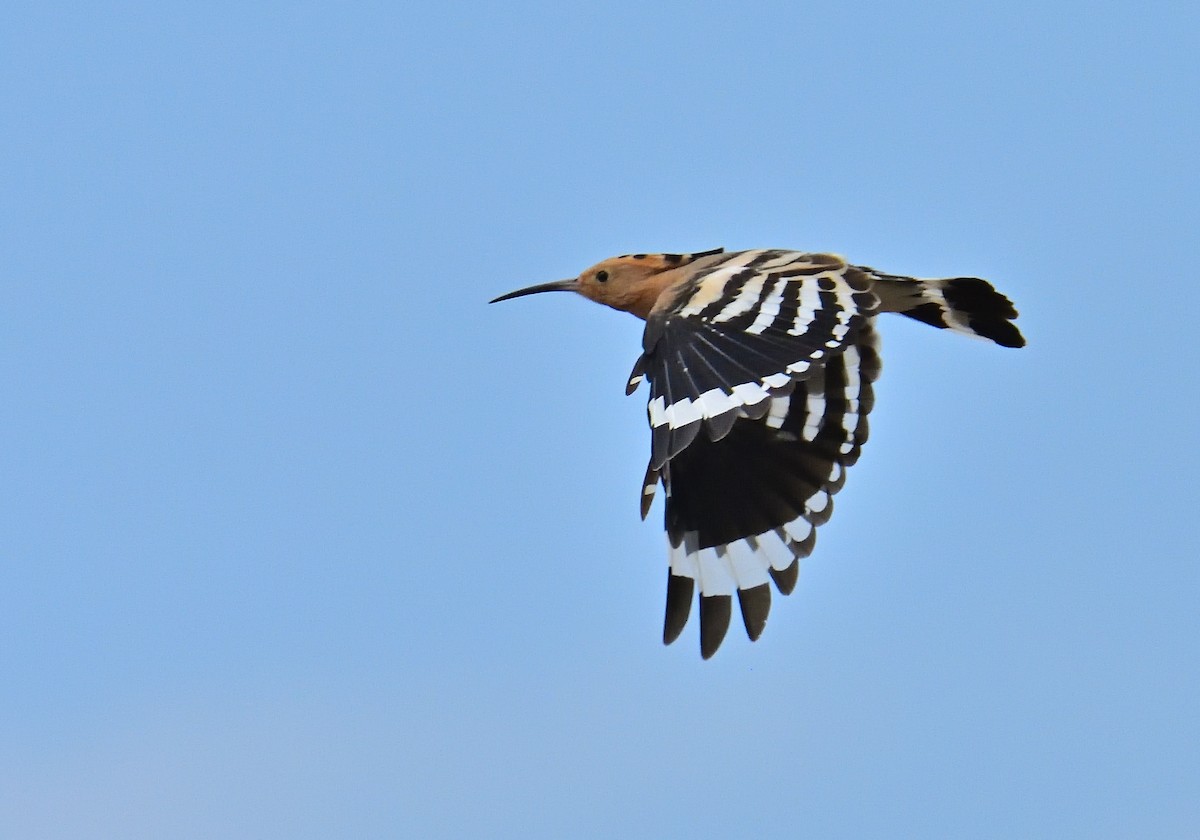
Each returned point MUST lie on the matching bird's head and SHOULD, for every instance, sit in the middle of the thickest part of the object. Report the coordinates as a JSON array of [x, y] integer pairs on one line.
[[631, 283]]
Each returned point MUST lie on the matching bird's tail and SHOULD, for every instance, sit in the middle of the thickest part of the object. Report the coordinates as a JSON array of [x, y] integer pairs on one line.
[[964, 304]]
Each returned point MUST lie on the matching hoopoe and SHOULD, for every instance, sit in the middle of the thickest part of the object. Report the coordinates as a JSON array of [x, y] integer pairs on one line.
[[771, 354]]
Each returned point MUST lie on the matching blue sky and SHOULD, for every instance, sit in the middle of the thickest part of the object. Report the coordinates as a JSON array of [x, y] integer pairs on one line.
[[300, 538]]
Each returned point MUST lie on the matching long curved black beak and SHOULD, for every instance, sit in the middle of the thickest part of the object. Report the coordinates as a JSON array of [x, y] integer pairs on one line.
[[556, 286]]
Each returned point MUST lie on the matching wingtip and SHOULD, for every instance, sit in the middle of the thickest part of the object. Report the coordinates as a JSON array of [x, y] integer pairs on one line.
[[636, 375], [785, 579], [755, 603], [1015, 339], [715, 612], [649, 486], [680, 590]]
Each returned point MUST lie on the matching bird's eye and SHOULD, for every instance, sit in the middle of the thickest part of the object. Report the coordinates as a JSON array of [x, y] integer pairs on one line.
[[601, 276]]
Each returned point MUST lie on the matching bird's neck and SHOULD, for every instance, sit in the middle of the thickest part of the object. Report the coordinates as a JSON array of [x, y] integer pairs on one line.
[[642, 300]]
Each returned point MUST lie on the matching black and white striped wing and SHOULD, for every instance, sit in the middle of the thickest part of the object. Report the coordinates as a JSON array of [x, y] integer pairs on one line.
[[739, 332], [742, 511], [773, 354]]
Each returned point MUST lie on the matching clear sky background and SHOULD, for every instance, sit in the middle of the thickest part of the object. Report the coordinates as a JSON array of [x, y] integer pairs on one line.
[[300, 538]]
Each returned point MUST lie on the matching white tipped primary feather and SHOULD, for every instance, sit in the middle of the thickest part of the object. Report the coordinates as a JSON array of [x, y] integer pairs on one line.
[[683, 562], [716, 574], [798, 530], [774, 548], [749, 568]]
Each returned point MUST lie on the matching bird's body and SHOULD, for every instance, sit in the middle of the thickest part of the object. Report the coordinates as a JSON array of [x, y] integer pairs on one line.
[[760, 366]]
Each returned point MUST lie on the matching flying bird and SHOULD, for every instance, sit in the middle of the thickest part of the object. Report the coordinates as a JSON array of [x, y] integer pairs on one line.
[[760, 366]]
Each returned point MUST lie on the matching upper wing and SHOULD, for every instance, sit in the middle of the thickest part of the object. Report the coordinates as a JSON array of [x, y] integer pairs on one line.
[[741, 331]]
